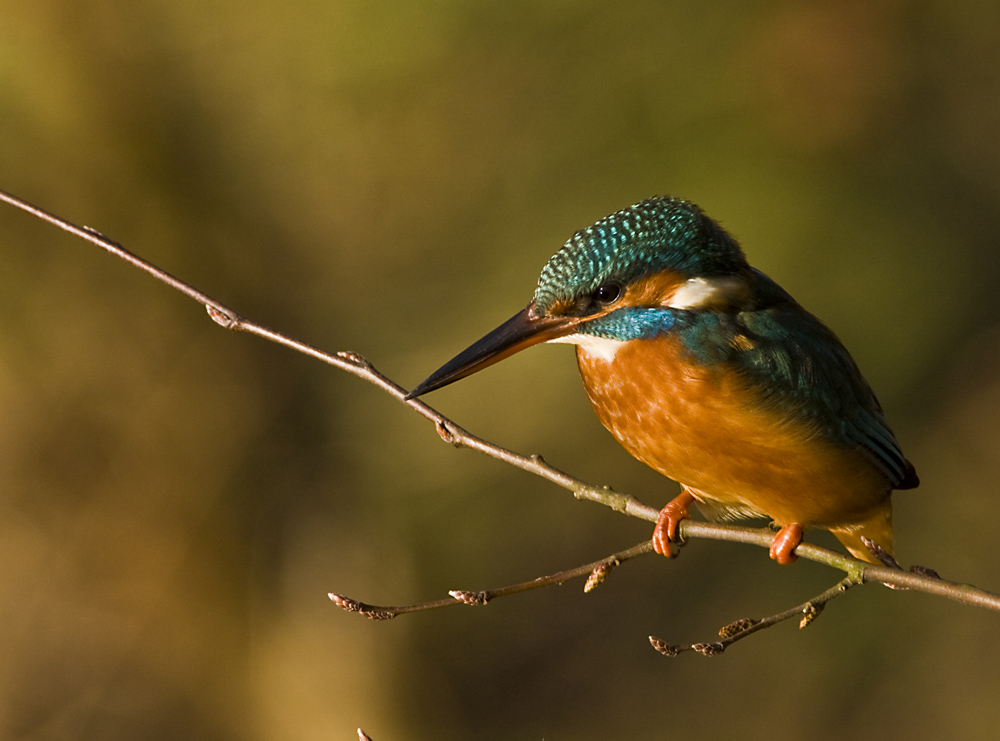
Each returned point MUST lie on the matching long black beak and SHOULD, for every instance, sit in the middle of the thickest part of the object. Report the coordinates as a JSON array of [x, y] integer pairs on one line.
[[522, 330]]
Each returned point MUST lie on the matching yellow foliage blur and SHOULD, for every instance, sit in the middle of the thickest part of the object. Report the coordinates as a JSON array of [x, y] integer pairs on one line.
[[389, 177]]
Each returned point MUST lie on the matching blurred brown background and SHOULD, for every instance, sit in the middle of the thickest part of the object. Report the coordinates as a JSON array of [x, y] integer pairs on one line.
[[389, 177]]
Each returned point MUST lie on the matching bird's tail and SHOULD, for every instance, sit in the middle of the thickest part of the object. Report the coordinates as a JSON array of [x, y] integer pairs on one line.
[[877, 527]]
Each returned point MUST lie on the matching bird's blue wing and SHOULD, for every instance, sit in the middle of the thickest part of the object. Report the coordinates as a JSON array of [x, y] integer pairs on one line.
[[797, 366]]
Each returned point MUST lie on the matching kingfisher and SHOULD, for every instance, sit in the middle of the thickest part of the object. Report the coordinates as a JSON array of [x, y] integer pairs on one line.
[[709, 372]]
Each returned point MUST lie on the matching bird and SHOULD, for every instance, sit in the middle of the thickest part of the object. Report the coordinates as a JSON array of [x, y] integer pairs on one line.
[[709, 372]]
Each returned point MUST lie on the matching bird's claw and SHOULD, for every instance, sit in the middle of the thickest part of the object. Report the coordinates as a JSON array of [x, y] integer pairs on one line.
[[666, 531], [785, 542]]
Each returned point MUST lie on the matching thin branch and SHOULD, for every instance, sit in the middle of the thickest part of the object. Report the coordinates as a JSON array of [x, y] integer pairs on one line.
[[860, 571], [740, 629], [449, 431], [352, 363], [595, 572]]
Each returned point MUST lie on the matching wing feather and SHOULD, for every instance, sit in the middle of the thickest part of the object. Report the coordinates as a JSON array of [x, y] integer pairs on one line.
[[798, 367]]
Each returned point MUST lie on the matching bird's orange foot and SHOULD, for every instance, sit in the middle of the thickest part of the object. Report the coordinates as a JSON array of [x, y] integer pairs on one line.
[[784, 543], [667, 523]]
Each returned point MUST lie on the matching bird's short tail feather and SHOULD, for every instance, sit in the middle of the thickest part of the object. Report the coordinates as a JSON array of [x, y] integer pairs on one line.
[[877, 527]]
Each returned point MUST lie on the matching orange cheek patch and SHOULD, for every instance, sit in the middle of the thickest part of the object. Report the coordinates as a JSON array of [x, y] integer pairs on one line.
[[652, 290], [560, 308]]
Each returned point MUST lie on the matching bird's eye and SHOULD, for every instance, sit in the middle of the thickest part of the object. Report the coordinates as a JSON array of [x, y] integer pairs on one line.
[[606, 293]]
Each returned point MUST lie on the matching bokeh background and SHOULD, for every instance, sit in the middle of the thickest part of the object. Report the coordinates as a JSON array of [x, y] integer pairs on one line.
[[389, 177]]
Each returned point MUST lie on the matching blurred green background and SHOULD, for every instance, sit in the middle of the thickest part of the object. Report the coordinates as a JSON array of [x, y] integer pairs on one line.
[[389, 177]]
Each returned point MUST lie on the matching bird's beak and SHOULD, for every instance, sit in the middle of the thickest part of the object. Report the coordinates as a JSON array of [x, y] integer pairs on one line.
[[524, 329]]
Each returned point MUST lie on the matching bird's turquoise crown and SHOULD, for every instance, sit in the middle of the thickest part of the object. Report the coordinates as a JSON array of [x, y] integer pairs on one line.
[[657, 234]]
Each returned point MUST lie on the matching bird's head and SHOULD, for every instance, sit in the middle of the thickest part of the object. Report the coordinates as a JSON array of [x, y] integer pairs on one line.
[[615, 281]]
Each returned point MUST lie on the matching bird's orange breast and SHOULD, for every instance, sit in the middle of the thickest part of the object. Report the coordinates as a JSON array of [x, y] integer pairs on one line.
[[705, 428]]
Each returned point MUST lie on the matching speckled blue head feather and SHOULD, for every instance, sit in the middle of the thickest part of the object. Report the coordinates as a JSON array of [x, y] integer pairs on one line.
[[652, 236]]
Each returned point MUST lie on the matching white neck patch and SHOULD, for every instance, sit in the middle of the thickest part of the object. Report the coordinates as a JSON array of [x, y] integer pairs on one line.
[[697, 293], [596, 347]]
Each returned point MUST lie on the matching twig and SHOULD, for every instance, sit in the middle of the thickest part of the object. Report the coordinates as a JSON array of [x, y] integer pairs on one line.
[[595, 572], [355, 364], [740, 629]]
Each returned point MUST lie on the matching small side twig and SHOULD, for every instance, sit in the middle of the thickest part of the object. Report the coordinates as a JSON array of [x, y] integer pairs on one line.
[[740, 629], [596, 572]]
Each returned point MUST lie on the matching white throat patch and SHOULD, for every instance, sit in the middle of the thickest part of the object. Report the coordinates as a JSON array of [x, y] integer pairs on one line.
[[595, 347]]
